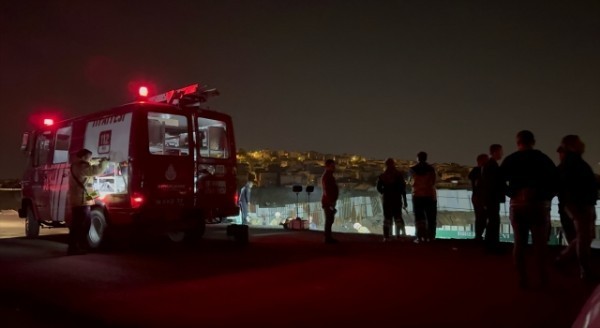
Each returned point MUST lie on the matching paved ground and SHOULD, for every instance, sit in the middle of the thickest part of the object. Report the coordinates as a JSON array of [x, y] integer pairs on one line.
[[12, 226], [281, 279]]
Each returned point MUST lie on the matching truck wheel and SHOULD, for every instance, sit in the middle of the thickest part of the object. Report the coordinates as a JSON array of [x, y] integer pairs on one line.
[[97, 233], [32, 226]]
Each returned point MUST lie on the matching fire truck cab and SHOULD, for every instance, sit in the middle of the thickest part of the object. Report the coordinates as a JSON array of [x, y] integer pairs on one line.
[[172, 167]]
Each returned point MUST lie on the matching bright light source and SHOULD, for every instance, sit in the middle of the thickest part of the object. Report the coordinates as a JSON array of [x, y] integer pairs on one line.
[[137, 200], [143, 92], [48, 122]]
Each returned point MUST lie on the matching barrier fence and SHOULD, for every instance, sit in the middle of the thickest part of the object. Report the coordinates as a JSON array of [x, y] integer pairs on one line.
[[360, 207], [455, 214]]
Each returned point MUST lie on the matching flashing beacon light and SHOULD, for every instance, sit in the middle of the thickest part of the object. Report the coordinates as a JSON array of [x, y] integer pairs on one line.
[[48, 122], [143, 91]]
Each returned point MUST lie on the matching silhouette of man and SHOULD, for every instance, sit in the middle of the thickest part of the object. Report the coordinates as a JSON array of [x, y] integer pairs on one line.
[[567, 224], [244, 202], [532, 183], [477, 196], [423, 179], [392, 186], [494, 189], [578, 193], [329, 199]]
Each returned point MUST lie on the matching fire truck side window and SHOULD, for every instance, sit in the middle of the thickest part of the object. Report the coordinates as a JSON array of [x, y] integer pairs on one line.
[[168, 134], [61, 145], [213, 138], [41, 155]]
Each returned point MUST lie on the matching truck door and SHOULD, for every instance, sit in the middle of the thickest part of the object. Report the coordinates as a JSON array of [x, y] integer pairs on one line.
[[60, 160], [216, 173], [169, 173], [42, 175]]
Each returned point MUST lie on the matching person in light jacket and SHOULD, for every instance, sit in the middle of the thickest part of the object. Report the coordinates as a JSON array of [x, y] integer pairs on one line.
[[81, 198]]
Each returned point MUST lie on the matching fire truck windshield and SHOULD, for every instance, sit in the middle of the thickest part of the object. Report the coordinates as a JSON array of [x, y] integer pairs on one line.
[[168, 134]]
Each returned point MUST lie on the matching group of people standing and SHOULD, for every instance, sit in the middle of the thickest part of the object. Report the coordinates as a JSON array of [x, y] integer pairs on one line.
[[392, 186], [528, 177], [531, 180]]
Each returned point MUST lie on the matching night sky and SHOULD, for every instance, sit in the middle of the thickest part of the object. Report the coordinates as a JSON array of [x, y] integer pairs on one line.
[[374, 78]]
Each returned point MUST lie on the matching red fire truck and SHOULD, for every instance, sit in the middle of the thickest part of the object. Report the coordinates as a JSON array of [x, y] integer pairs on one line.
[[172, 167]]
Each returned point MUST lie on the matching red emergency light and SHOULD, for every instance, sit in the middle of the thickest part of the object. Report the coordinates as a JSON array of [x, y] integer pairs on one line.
[[143, 91], [48, 122]]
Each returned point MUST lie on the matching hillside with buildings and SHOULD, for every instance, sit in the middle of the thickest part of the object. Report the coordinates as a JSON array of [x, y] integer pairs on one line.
[[279, 168]]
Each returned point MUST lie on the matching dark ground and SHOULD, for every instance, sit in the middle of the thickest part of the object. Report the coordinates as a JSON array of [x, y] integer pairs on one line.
[[281, 279]]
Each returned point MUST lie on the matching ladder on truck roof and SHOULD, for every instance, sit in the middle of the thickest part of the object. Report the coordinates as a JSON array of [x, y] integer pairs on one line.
[[190, 96]]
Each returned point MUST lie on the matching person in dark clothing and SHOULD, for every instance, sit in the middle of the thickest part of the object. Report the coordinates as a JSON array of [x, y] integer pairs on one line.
[[566, 223], [567, 231], [244, 201], [494, 190], [392, 186], [578, 193], [532, 183], [477, 197], [329, 199], [423, 179]]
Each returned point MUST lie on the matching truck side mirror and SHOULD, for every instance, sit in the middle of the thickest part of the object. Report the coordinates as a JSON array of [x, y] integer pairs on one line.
[[25, 141]]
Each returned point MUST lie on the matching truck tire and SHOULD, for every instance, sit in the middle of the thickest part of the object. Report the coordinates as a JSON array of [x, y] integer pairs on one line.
[[32, 226], [98, 225]]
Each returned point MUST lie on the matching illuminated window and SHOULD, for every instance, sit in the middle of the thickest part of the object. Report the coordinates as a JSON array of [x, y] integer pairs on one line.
[[42, 149], [213, 138], [61, 145], [168, 134]]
